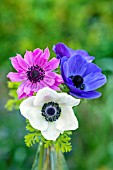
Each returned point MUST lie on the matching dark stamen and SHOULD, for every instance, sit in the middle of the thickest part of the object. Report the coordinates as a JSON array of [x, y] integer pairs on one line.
[[78, 82], [51, 111], [34, 73]]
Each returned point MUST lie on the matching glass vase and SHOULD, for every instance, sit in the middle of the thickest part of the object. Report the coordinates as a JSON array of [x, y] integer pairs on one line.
[[49, 159]]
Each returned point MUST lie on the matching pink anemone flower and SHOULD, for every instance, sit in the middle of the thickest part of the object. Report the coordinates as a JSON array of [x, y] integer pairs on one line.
[[35, 72]]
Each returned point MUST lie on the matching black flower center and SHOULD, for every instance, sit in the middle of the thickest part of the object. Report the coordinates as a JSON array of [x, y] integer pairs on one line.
[[35, 74], [51, 111], [78, 81]]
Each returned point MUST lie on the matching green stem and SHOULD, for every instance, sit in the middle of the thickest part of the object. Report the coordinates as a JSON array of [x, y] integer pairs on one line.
[[38, 162], [49, 159]]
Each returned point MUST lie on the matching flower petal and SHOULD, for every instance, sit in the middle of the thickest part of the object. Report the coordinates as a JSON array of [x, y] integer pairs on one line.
[[37, 120], [43, 58], [62, 50], [76, 65], [67, 120], [53, 64], [19, 64], [51, 133], [15, 63], [26, 106], [15, 77], [46, 54], [49, 81], [29, 58], [87, 95], [37, 52], [91, 67], [83, 53], [21, 91], [22, 63], [45, 95], [94, 80], [67, 100], [82, 94], [33, 114]]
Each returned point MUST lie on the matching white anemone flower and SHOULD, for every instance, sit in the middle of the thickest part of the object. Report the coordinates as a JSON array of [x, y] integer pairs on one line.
[[50, 112]]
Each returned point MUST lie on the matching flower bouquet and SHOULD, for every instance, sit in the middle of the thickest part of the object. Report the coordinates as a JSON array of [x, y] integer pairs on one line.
[[47, 91]]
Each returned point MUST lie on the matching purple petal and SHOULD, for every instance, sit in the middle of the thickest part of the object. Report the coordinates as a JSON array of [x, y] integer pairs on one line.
[[61, 67], [94, 80], [75, 65], [15, 77], [87, 95], [91, 67], [82, 94], [62, 50], [83, 53]]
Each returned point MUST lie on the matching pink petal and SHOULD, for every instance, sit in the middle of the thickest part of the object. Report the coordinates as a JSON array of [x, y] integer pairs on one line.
[[52, 64], [15, 77], [24, 90], [22, 63], [42, 62], [55, 87], [58, 78], [18, 63], [49, 81], [42, 84], [46, 54], [37, 51], [29, 58], [15, 64]]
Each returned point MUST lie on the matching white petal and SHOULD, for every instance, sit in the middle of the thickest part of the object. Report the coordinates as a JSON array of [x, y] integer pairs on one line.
[[33, 114], [51, 133], [67, 120], [37, 120], [65, 99], [26, 106], [45, 95]]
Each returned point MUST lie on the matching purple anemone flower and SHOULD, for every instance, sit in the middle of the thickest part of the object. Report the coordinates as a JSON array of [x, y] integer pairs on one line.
[[82, 77], [62, 50], [35, 72]]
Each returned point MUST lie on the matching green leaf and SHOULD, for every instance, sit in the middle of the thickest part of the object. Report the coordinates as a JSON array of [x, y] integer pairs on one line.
[[13, 103], [62, 143]]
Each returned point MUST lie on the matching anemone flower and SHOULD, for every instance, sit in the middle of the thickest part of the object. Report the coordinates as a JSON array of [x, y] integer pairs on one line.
[[50, 112], [82, 77], [35, 72], [62, 50]]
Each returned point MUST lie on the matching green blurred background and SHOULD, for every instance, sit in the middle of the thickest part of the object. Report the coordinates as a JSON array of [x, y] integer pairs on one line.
[[81, 24]]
